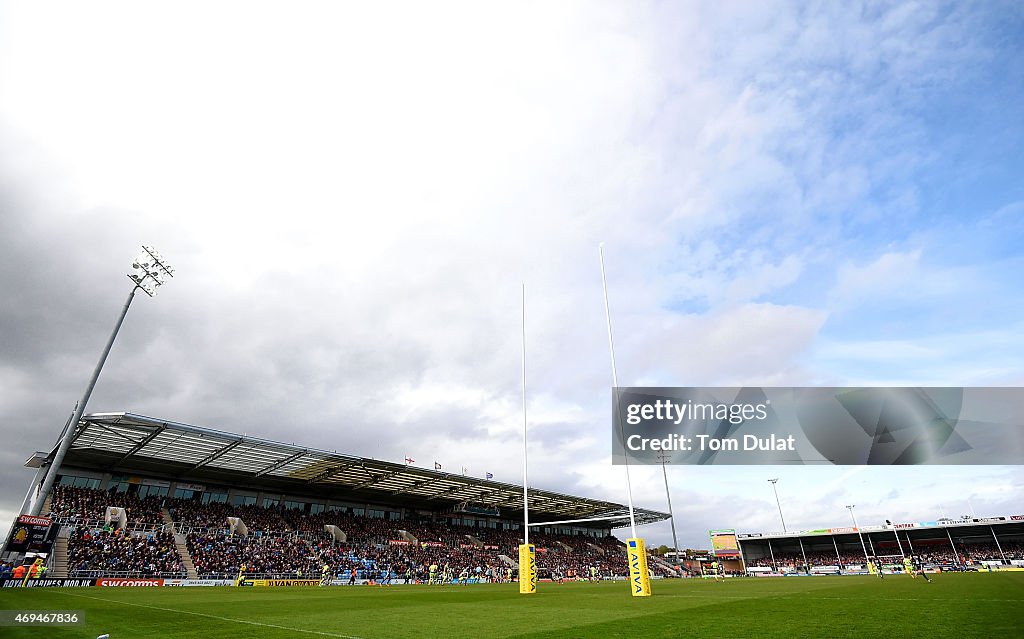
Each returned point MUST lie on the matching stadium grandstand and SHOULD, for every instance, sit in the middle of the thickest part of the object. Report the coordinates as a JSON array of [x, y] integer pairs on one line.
[[138, 497], [965, 543]]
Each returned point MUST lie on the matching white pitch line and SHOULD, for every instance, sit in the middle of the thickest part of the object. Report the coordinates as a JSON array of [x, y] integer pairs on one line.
[[209, 616], [798, 595]]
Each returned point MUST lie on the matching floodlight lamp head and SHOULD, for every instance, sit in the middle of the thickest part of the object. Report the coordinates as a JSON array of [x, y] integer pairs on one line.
[[149, 270], [158, 260], [142, 282]]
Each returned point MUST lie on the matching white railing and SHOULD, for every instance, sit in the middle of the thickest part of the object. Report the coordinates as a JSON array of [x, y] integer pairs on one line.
[[118, 574], [99, 524]]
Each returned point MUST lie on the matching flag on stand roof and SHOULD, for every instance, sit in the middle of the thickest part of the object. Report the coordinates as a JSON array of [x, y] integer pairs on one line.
[[437, 466], [410, 460], [490, 475]]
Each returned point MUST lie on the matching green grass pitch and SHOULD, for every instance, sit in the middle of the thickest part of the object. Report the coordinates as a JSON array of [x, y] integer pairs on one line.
[[955, 605]]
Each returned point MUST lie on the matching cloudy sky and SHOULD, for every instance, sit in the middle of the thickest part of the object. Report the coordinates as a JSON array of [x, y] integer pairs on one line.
[[352, 193]]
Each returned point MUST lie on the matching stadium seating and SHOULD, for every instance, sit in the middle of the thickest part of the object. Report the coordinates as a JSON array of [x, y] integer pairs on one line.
[[88, 504], [290, 543], [96, 552]]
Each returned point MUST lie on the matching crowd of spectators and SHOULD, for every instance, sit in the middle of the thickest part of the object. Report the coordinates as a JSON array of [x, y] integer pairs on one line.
[[928, 553], [991, 552], [220, 555], [795, 560], [105, 551], [90, 504], [300, 521], [437, 531], [378, 547], [215, 515], [400, 546], [287, 542], [506, 541]]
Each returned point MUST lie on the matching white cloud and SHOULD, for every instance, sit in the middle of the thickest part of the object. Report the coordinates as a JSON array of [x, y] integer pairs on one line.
[[891, 274], [748, 344]]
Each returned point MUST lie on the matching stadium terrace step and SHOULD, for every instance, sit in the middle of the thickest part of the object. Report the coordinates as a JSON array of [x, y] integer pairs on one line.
[[509, 561], [408, 536], [566, 547], [237, 526], [166, 517], [186, 557], [47, 502], [476, 542], [60, 554], [596, 547]]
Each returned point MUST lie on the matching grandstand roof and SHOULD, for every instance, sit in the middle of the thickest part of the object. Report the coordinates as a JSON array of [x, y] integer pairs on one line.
[[124, 442], [1009, 523]]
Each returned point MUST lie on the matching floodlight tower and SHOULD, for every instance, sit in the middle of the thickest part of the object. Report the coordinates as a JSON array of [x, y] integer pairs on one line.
[[778, 503], [859, 534], [803, 553], [149, 271], [664, 459]]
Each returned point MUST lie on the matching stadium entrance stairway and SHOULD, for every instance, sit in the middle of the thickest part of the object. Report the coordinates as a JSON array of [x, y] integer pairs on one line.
[[476, 542], [186, 557], [59, 566], [597, 548], [179, 543]]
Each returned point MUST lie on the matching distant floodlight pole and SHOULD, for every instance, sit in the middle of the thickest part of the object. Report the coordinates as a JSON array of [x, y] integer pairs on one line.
[[777, 502], [615, 386], [859, 534], [663, 458], [149, 271], [803, 553]]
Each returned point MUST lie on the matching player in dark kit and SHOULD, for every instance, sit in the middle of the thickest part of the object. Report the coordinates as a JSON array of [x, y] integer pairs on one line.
[[919, 569], [875, 567]]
